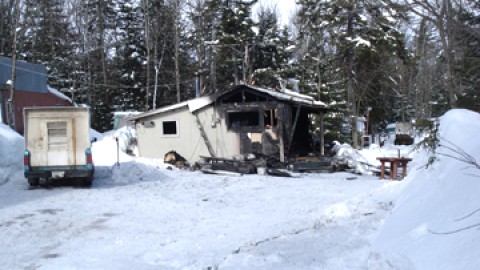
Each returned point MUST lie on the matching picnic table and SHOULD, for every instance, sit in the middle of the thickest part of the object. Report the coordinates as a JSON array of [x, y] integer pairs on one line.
[[395, 162]]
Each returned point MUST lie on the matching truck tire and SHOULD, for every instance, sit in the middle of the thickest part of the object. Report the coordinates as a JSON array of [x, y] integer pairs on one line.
[[32, 181], [87, 182]]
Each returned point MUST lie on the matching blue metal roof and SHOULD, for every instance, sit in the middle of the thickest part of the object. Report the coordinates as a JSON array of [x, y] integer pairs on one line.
[[29, 77]]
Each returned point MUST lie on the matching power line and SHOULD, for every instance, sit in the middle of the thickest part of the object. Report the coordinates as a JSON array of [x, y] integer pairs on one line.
[[123, 86], [133, 87]]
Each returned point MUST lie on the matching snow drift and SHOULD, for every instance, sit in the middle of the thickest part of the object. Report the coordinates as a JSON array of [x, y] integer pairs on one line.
[[436, 220], [11, 153]]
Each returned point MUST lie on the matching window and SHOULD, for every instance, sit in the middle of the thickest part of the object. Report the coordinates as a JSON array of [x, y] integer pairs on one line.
[[270, 118], [169, 128], [244, 121], [57, 135]]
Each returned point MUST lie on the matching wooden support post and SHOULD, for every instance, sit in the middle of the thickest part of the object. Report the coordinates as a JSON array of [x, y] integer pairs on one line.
[[297, 115], [281, 133], [322, 134], [204, 135]]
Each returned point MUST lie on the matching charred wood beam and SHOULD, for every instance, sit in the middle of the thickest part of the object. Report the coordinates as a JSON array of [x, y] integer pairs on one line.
[[245, 107], [322, 133], [204, 136], [297, 115], [281, 126]]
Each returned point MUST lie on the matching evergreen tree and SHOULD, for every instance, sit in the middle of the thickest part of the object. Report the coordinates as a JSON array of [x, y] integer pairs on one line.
[[352, 38], [96, 27], [268, 55], [468, 65], [46, 39], [161, 17], [235, 38], [205, 18], [131, 57], [117, 54], [6, 28]]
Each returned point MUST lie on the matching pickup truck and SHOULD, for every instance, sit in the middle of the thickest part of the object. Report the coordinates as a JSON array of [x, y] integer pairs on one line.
[[57, 144]]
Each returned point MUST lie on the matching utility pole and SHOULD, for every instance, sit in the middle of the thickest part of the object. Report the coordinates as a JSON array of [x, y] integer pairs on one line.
[[11, 100]]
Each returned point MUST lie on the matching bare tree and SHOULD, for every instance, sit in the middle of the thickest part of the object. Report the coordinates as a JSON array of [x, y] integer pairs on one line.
[[146, 6], [177, 48], [441, 13], [11, 100]]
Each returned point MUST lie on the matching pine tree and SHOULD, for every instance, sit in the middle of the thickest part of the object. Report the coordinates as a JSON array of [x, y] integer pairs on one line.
[[267, 51], [6, 28], [350, 38], [95, 32], [469, 64], [46, 40], [235, 38], [131, 58], [161, 41]]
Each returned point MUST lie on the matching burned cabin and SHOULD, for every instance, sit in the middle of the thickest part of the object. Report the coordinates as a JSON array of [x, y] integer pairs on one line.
[[243, 119]]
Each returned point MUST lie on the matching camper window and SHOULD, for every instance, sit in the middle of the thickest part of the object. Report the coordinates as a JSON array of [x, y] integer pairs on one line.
[[169, 128], [57, 135]]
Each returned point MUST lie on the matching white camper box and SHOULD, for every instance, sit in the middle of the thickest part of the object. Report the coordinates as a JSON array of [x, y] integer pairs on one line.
[[57, 144]]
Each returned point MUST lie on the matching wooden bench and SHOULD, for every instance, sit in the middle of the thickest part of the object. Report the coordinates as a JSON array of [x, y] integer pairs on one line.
[[395, 162]]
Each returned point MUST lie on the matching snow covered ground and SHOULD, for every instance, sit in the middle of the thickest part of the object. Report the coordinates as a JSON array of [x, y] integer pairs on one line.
[[139, 214]]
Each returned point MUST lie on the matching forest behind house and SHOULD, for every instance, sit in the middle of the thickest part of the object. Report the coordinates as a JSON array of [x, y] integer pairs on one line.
[[388, 60]]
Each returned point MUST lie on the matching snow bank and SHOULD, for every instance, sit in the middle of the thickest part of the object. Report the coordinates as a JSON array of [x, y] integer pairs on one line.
[[365, 161], [114, 167], [134, 172], [11, 153], [347, 155], [435, 222], [95, 135]]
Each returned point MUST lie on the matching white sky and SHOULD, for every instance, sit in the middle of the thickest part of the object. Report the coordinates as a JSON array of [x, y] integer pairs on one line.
[[286, 8]]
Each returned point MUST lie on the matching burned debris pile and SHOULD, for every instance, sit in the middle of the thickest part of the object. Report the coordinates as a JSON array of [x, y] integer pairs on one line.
[[242, 164], [343, 157]]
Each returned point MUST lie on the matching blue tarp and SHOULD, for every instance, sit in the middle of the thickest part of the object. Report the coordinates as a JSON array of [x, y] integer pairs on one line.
[[30, 77]]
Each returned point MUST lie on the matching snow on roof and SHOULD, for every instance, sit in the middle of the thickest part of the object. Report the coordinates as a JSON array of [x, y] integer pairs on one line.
[[59, 94], [201, 102], [198, 103], [160, 110], [288, 95], [126, 113]]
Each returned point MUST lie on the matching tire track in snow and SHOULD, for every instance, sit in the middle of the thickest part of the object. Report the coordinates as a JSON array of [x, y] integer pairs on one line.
[[362, 212]]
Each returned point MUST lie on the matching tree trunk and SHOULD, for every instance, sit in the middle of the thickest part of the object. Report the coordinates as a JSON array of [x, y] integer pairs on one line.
[[177, 49], [147, 45], [213, 64], [440, 13], [350, 80], [11, 100], [449, 44]]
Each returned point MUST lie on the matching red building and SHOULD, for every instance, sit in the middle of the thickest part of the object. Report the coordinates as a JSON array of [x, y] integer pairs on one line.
[[30, 90]]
